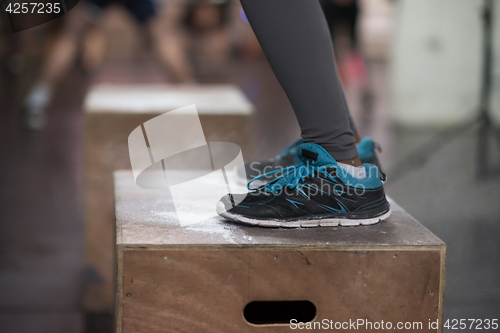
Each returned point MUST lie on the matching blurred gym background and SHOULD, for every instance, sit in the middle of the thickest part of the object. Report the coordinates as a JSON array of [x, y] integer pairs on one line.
[[418, 79]]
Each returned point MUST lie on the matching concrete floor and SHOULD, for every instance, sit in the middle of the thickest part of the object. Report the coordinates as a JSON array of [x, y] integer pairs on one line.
[[41, 244], [41, 230], [445, 195]]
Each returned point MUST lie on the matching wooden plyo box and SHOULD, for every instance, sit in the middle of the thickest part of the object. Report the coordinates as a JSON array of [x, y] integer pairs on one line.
[[112, 112], [200, 277]]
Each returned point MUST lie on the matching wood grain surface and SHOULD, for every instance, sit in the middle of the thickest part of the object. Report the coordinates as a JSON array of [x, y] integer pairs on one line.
[[206, 291], [198, 278], [106, 150]]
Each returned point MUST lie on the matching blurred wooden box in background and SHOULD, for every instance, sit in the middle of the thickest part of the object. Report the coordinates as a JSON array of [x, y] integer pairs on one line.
[[200, 277], [112, 112]]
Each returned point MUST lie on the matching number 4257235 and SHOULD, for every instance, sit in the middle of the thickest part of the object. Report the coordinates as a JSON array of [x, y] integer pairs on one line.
[[33, 8], [471, 324]]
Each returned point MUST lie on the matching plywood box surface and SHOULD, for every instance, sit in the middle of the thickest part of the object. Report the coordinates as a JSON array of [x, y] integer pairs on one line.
[[200, 277], [112, 112]]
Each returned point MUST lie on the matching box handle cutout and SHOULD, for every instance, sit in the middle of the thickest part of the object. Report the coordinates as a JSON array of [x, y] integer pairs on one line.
[[279, 312]]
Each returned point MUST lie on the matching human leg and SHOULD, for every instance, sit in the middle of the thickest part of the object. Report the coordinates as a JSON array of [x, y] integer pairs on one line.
[[59, 58], [296, 40], [170, 50], [323, 189], [165, 40]]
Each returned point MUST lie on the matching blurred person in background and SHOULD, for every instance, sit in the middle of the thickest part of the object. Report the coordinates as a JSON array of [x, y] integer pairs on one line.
[[64, 51], [207, 27], [342, 17], [343, 20]]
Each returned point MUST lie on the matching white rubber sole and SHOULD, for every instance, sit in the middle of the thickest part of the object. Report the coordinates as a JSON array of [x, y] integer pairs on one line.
[[221, 210]]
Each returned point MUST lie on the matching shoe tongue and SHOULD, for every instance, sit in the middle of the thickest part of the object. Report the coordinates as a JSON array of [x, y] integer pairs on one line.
[[313, 154]]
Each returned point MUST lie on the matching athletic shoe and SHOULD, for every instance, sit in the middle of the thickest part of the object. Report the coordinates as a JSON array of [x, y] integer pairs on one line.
[[315, 192], [288, 157], [367, 151]]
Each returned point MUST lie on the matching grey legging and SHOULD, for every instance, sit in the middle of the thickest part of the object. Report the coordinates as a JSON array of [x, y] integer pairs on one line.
[[296, 41]]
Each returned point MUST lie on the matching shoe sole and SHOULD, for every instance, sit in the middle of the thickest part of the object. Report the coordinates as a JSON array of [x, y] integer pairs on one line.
[[328, 222]]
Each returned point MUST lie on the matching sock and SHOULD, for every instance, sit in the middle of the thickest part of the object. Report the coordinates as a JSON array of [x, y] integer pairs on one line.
[[38, 97], [356, 172]]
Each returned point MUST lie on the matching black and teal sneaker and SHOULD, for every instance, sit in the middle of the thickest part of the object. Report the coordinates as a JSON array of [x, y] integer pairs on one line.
[[315, 192], [366, 150], [286, 158]]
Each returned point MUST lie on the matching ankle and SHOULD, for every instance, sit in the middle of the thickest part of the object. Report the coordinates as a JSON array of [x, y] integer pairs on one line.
[[356, 162], [357, 138], [356, 172]]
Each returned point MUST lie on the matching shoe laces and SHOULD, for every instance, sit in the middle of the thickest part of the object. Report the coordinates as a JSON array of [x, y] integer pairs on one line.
[[291, 177]]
